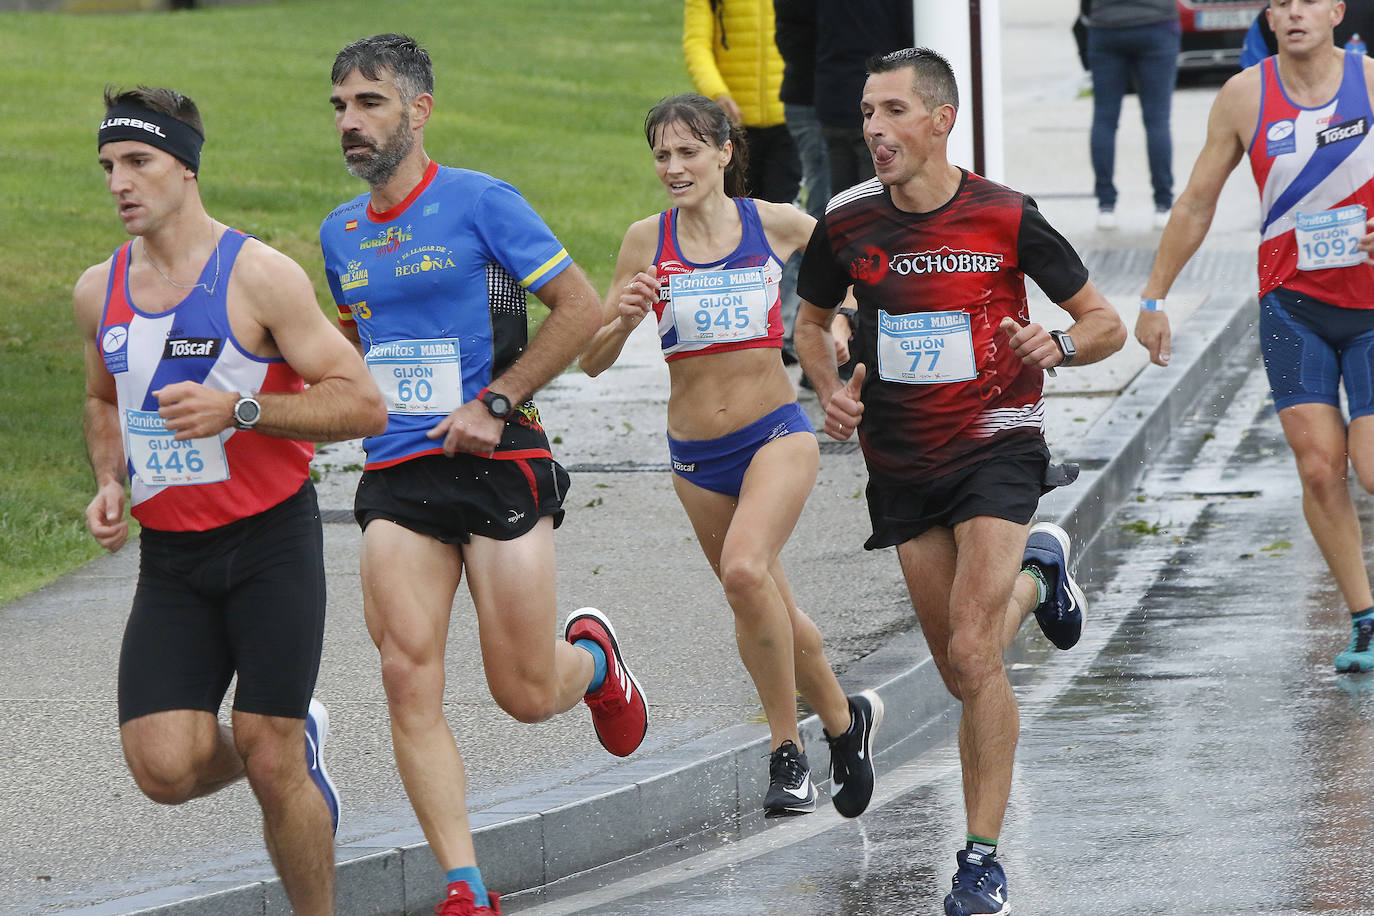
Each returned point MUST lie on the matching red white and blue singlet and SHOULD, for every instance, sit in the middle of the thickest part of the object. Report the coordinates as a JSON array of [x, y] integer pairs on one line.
[[436, 287], [730, 304], [197, 484], [1315, 171]]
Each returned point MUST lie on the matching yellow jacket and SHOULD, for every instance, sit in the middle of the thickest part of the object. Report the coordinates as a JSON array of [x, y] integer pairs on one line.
[[732, 52]]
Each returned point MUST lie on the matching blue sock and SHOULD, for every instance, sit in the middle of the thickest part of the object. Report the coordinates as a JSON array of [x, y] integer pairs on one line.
[[598, 658], [470, 876]]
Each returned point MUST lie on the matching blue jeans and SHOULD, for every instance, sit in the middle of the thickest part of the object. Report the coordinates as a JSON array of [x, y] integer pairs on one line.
[[815, 192], [815, 165], [1146, 56]]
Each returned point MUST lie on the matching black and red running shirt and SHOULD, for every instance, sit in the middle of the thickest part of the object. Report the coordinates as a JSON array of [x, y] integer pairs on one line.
[[932, 288]]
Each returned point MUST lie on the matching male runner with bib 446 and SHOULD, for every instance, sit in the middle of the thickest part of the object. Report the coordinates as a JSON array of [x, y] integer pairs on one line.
[[200, 343], [1304, 119]]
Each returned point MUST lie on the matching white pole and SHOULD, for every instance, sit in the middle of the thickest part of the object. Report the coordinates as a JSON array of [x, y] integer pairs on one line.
[[994, 160], [977, 140]]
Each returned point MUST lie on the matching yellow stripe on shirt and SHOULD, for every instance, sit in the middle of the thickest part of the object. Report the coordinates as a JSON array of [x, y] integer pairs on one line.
[[544, 268]]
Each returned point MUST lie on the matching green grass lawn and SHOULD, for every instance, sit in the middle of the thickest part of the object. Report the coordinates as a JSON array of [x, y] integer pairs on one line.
[[547, 94]]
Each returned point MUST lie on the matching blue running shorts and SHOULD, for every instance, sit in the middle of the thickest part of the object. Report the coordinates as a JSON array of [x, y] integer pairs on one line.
[[1310, 347], [719, 464]]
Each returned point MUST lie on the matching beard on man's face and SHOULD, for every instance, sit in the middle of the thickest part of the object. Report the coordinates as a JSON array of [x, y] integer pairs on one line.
[[377, 166]]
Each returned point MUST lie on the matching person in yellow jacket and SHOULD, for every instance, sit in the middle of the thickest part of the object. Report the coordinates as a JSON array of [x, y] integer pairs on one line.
[[734, 60]]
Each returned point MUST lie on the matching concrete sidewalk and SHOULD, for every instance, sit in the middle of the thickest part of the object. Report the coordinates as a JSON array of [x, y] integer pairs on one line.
[[547, 801]]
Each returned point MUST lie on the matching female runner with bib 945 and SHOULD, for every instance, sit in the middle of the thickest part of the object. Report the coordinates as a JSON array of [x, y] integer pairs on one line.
[[744, 453]]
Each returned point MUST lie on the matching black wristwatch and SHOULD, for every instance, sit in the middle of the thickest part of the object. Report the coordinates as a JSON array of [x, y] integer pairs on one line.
[[498, 405], [247, 411], [1066, 346]]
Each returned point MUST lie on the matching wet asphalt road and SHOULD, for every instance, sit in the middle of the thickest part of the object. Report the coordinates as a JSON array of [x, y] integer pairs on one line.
[[1196, 754]]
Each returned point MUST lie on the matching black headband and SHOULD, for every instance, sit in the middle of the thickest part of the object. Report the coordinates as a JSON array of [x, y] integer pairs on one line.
[[134, 122]]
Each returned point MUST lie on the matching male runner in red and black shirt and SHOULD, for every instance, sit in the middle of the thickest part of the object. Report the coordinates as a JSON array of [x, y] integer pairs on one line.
[[947, 402]]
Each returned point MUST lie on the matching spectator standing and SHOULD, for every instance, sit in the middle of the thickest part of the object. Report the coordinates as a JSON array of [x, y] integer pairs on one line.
[[795, 33], [733, 60], [1133, 42], [848, 32]]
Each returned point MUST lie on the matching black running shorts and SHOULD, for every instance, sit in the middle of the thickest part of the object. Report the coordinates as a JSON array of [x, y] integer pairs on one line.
[[1005, 485], [451, 499], [245, 598]]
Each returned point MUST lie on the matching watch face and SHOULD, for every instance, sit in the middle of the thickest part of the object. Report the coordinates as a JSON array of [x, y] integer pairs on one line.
[[247, 412], [498, 405]]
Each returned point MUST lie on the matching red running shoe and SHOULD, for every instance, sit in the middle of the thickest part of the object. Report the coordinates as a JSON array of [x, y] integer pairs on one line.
[[461, 902], [619, 712]]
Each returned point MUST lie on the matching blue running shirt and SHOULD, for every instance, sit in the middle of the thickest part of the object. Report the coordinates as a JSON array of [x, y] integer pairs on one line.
[[436, 287]]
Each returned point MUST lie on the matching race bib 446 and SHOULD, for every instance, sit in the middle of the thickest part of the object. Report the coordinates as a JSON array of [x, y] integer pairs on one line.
[[161, 460]]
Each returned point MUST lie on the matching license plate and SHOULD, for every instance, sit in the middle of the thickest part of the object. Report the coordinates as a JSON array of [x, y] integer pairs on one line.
[[1223, 20]]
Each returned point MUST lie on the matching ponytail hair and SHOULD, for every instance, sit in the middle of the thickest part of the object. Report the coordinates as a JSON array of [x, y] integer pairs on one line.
[[706, 121]]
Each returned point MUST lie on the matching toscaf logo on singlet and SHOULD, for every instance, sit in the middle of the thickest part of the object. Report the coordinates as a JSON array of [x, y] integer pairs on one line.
[[1343, 131], [191, 348]]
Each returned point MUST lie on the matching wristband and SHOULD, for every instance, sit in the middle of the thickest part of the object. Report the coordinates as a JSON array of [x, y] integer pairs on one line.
[[1151, 305]]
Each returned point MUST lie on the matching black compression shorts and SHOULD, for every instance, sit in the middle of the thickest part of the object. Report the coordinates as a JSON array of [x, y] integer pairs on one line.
[[245, 598], [453, 498]]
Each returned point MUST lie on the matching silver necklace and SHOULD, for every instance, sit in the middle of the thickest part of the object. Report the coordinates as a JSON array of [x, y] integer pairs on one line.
[[209, 290]]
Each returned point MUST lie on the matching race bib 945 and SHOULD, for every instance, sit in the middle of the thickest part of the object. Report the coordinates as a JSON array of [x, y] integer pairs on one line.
[[720, 306]]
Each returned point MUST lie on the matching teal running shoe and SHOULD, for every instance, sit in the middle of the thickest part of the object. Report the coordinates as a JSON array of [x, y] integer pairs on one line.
[[1357, 656]]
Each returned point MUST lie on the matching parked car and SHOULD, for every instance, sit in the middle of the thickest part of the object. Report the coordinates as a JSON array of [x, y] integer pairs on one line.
[[1214, 31]]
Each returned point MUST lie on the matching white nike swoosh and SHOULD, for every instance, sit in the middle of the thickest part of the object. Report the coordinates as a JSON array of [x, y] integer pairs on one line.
[[314, 751], [802, 792], [997, 895]]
